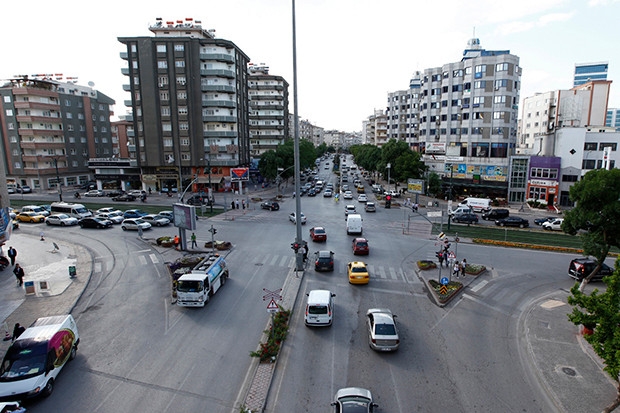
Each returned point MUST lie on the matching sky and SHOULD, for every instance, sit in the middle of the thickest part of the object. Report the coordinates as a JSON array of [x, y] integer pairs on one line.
[[350, 53]]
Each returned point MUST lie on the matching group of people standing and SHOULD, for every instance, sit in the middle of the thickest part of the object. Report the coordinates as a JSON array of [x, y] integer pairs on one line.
[[235, 204], [458, 267]]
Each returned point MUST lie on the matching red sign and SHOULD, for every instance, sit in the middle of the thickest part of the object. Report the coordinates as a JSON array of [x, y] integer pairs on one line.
[[239, 174]]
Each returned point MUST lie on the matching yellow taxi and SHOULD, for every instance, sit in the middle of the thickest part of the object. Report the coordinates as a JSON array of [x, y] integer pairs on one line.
[[357, 273], [29, 217]]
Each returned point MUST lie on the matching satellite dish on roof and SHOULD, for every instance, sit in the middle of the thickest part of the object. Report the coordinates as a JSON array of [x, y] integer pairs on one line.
[[91, 83]]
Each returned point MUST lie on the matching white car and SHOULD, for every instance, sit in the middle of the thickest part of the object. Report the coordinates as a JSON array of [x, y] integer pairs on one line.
[[134, 224], [115, 216], [362, 198], [382, 331], [348, 195], [167, 214], [291, 218], [555, 225], [61, 219], [350, 209], [156, 220], [95, 192], [107, 210]]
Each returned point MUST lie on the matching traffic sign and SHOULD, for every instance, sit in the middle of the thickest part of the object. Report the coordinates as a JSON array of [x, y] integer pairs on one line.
[[272, 294], [444, 281], [452, 255], [272, 306]]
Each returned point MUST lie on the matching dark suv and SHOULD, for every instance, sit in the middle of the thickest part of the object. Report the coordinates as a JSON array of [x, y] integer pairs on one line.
[[494, 214], [324, 261], [198, 200], [580, 268]]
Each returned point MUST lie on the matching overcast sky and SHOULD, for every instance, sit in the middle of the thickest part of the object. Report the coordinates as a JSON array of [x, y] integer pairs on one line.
[[350, 53]]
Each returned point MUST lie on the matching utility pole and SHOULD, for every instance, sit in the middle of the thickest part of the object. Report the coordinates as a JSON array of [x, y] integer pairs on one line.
[[58, 179]]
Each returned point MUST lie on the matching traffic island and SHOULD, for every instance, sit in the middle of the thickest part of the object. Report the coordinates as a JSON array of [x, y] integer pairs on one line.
[[444, 293], [442, 288]]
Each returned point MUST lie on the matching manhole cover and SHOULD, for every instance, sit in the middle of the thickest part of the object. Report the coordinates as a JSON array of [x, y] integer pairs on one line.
[[568, 371]]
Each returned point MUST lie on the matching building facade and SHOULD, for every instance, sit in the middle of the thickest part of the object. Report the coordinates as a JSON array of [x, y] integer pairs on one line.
[[587, 72], [189, 99], [269, 117], [613, 118], [403, 113], [50, 129]]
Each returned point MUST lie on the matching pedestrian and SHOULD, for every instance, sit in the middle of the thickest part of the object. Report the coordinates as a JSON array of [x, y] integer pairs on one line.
[[12, 253], [193, 238], [243, 203], [150, 190], [463, 266], [440, 257], [232, 204], [456, 269], [19, 274], [176, 241], [17, 331], [305, 252], [237, 203]]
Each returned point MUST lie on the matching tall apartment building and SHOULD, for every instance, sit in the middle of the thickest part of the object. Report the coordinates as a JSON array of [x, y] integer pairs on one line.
[[613, 118], [269, 117], [468, 120], [50, 129], [587, 72], [375, 129], [403, 113], [189, 97]]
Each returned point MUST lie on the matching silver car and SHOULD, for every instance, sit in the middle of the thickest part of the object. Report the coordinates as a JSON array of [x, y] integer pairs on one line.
[[61, 219], [353, 400], [135, 224], [156, 220], [382, 332]]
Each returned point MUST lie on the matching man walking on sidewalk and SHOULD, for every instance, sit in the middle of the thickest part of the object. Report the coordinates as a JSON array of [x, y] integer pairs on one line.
[[19, 274], [193, 237], [12, 253]]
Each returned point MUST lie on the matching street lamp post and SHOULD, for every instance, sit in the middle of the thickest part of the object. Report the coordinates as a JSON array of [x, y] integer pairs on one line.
[[58, 179], [450, 190], [389, 166]]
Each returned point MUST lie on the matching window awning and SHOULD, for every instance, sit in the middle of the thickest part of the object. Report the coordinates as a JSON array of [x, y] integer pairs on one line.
[[215, 179]]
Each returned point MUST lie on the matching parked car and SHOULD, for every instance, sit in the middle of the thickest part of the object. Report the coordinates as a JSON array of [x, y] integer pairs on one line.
[[24, 189], [555, 225], [580, 268], [270, 205], [30, 217], [353, 400], [495, 213], [115, 216], [292, 218], [61, 219], [370, 207], [107, 210], [360, 246], [114, 192], [362, 198], [134, 213], [357, 273], [324, 261], [136, 192], [328, 193], [318, 234], [94, 222], [156, 220], [198, 200], [135, 224], [466, 218], [382, 331], [94, 193], [124, 198], [167, 214], [540, 221], [349, 209], [513, 222]]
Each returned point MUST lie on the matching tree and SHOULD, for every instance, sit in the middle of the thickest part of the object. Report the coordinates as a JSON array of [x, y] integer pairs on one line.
[[601, 313], [434, 184], [596, 216], [268, 165], [408, 165]]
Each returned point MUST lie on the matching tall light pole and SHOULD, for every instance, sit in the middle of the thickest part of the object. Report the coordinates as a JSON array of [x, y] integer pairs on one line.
[[389, 166], [58, 179], [300, 263]]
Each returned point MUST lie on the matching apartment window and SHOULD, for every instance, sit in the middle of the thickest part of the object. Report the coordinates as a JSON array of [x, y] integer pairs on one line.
[[179, 47], [454, 116], [163, 95], [181, 95], [480, 70], [161, 48], [166, 127], [501, 67], [480, 84], [501, 83], [69, 128], [456, 102], [498, 115], [181, 80], [457, 88], [136, 80], [185, 157], [167, 142], [570, 178], [162, 64], [468, 70], [602, 146], [179, 63], [590, 146], [184, 126], [10, 126], [7, 99], [478, 100], [499, 150], [499, 99], [446, 75], [479, 149], [182, 110], [165, 111], [435, 78], [184, 142], [457, 73], [69, 115]]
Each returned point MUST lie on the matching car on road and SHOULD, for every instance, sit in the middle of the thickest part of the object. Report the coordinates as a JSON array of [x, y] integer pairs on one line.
[[94, 222], [114, 192], [357, 272], [580, 268], [362, 198], [198, 200], [312, 192], [360, 246], [353, 400], [30, 216], [107, 210], [292, 218], [542, 220], [134, 224], [370, 207], [136, 192], [349, 209], [61, 219], [124, 198], [24, 189], [270, 205], [382, 331], [167, 214], [324, 261], [467, 218], [115, 216], [134, 213], [392, 193], [347, 195], [495, 213], [12, 190], [555, 225], [513, 222], [328, 193], [156, 220], [318, 234], [94, 193]]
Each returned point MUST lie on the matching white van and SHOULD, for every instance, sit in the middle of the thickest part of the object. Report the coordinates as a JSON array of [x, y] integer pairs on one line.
[[319, 308], [354, 224], [477, 204], [462, 209], [78, 211], [35, 358]]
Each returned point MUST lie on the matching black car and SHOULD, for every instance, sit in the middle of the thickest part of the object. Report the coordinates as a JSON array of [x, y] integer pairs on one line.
[[540, 221], [312, 192], [513, 222], [124, 198], [496, 213], [94, 222], [198, 200], [270, 205], [466, 218], [114, 192], [324, 261], [580, 268]]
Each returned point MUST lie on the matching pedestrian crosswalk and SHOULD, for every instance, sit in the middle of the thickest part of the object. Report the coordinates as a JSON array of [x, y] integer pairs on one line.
[[133, 259]]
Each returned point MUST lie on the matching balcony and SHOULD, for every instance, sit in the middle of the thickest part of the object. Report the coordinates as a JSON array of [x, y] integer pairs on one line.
[[124, 55], [125, 71], [127, 88], [217, 88], [218, 73], [219, 134], [226, 119], [220, 57], [41, 145], [219, 103], [127, 103]]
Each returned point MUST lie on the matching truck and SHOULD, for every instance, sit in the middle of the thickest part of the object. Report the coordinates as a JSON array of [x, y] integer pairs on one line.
[[477, 204], [195, 288], [37, 356]]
